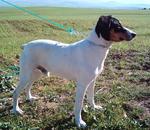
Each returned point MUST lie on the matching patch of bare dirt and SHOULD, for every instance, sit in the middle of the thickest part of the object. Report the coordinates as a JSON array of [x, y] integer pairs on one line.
[[43, 105], [139, 110], [46, 104], [130, 60]]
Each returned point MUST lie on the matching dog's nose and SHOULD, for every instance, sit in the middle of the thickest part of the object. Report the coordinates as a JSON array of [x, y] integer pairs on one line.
[[133, 35]]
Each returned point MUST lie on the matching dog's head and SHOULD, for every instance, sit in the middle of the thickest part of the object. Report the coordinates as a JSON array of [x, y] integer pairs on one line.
[[111, 30]]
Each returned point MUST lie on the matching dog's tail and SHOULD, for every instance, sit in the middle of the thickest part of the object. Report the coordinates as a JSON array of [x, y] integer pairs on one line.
[[23, 46]]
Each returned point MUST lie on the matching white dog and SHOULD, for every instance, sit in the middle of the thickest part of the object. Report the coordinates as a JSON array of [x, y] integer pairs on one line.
[[81, 61]]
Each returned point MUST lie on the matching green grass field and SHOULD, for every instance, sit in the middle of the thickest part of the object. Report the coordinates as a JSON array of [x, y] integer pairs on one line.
[[123, 88]]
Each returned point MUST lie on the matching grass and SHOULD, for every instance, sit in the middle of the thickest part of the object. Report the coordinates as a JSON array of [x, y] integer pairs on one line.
[[123, 88]]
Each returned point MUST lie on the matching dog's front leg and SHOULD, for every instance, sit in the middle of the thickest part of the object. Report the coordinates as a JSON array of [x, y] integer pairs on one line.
[[90, 95], [80, 93]]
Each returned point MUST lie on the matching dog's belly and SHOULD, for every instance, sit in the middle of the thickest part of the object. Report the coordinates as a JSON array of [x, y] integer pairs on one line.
[[62, 66], [63, 74]]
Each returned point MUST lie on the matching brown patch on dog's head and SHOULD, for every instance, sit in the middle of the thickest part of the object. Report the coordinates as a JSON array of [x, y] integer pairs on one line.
[[117, 36], [111, 30]]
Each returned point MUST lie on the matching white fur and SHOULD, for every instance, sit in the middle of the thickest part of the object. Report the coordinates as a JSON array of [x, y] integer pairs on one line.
[[82, 62]]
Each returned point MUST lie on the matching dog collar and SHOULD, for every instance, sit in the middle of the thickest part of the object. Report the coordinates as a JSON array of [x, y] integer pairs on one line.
[[103, 46]]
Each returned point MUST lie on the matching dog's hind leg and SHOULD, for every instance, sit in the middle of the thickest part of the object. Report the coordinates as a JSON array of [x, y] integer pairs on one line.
[[35, 76], [37, 72], [22, 84], [28, 92]]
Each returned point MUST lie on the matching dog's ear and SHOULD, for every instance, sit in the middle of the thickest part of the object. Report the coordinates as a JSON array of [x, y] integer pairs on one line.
[[103, 27]]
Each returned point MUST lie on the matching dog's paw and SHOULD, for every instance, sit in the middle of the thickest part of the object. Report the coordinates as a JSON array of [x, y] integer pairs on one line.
[[32, 98], [98, 107], [81, 124], [17, 111], [48, 74]]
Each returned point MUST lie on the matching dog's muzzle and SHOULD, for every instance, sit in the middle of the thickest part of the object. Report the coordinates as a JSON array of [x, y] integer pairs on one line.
[[129, 34]]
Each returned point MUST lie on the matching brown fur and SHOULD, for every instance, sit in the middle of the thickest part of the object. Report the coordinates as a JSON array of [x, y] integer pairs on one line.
[[117, 36]]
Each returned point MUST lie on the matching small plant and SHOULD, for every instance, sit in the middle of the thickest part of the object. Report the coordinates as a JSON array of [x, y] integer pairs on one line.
[[5, 126], [6, 84]]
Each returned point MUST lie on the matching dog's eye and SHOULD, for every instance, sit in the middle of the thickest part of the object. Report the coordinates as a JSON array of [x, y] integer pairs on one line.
[[118, 29]]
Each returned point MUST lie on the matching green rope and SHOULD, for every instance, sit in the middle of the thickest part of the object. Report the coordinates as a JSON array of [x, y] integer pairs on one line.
[[67, 29]]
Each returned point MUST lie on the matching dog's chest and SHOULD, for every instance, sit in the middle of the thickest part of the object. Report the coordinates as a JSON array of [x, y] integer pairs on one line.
[[100, 64]]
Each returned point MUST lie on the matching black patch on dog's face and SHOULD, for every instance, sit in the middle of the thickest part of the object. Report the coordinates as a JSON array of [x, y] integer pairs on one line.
[[107, 23], [116, 26], [102, 27]]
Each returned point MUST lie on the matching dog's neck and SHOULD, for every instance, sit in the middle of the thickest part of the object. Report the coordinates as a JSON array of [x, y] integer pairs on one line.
[[100, 41]]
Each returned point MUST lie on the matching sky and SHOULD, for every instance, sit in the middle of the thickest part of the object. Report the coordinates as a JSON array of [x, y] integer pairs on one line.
[[83, 3], [122, 1], [119, 1], [97, 1]]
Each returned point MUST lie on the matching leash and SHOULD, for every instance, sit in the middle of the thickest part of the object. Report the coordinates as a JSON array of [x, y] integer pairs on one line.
[[70, 30]]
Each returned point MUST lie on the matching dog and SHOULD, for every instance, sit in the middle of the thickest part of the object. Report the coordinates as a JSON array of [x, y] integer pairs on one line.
[[81, 61]]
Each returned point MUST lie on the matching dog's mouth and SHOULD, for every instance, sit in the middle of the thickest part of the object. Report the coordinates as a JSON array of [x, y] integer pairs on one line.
[[129, 34], [130, 37]]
